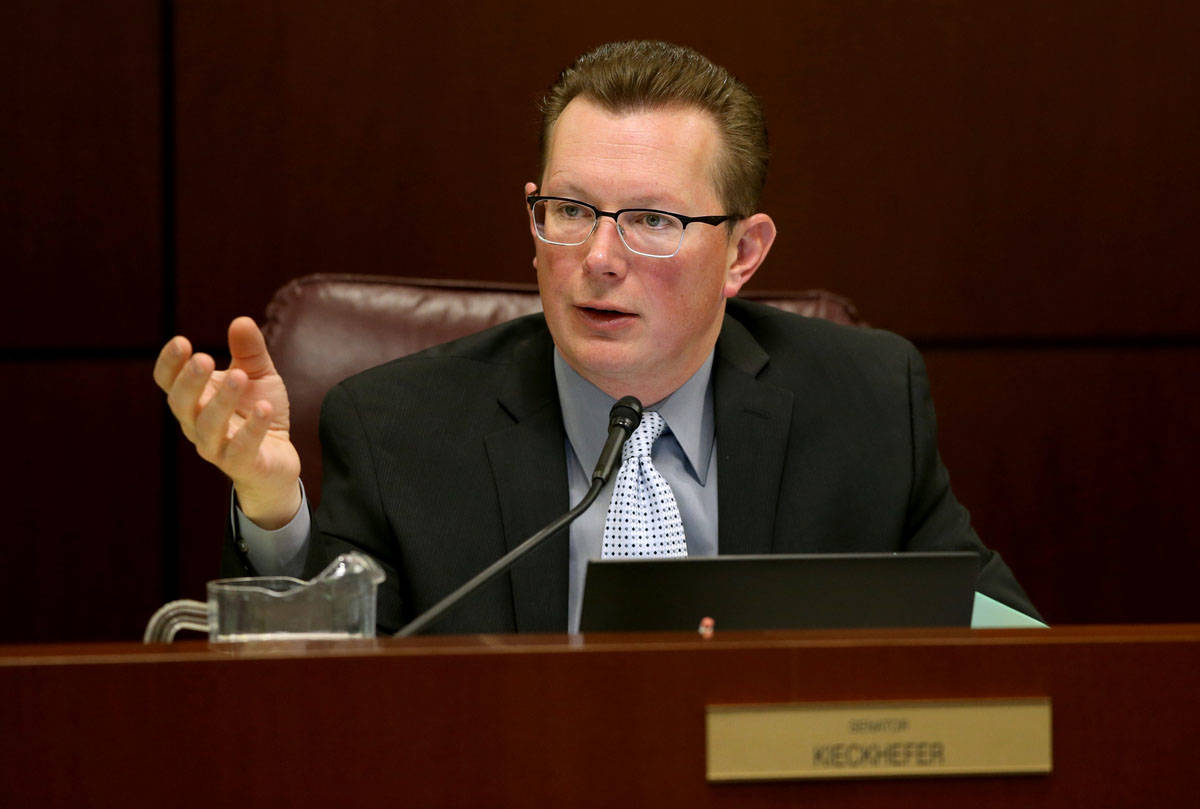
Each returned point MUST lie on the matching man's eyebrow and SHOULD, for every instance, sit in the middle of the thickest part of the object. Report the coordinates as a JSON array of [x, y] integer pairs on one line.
[[564, 190], [655, 203]]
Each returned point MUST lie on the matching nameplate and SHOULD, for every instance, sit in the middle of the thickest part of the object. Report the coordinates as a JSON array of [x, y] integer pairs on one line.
[[874, 739]]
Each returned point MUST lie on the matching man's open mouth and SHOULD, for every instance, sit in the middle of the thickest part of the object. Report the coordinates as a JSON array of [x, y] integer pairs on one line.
[[601, 314], [605, 311]]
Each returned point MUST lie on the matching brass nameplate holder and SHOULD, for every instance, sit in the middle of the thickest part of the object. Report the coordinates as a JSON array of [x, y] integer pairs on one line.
[[873, 739]]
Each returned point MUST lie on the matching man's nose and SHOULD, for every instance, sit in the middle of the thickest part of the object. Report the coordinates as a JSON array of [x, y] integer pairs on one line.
[[606, 252]]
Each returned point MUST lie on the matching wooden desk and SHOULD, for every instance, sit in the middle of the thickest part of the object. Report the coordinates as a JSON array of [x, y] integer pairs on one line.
[[612, 721]]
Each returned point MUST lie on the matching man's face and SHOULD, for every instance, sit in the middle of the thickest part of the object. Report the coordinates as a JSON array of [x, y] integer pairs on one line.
[[631, 324]]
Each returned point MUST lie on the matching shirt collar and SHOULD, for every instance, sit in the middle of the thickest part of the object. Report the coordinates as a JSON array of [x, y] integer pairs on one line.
[[688, 413]]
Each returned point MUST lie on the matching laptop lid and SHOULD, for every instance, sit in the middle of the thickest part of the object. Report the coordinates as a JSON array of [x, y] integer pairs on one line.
[[797, 591]]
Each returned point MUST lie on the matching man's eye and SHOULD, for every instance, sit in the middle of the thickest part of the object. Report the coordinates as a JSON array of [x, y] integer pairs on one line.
[[654, 221], [568, 211]]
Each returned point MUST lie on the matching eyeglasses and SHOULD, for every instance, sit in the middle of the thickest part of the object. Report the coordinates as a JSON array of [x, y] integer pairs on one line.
[[645, 231]]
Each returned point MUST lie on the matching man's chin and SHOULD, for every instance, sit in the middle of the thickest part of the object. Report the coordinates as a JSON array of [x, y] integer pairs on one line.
[[603, 362]]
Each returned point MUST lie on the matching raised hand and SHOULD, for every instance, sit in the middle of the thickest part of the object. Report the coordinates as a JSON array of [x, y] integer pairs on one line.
[[237, 419]]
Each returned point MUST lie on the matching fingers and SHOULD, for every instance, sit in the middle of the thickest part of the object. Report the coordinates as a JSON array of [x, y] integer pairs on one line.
[[248, 348], [212, 417], [216, 410], [233, 449], [170, 360], [183, 397]]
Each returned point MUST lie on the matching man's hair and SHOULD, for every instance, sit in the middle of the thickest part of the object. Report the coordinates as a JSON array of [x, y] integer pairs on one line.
[[630, 76]]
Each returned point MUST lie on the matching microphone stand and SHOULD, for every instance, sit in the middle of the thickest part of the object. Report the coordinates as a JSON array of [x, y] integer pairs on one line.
[[500, 565], [623, 419]]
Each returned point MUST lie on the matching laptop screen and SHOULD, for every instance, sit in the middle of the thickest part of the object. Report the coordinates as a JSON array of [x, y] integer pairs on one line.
[[799, 591]]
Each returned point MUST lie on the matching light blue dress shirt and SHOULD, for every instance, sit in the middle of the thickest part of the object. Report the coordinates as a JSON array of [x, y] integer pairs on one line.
[[683, 455]]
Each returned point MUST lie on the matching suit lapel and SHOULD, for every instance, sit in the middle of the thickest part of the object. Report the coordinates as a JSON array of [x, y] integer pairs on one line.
[[753, 419], [528, 460]]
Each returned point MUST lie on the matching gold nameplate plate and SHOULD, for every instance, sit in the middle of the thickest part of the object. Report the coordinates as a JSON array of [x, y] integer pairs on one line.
[[872, 739]]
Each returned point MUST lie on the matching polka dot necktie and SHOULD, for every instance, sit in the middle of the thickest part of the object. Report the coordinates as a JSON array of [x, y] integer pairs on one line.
[[643, 517]]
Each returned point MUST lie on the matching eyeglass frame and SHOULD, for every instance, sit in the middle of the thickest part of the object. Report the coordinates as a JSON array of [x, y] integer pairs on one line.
[[534, 199]]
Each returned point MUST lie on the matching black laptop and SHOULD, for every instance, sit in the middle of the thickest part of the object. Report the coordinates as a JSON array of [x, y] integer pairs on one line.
[[801, 591]]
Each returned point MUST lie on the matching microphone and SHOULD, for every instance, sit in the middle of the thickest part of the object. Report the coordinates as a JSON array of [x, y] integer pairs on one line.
[[623, 419]]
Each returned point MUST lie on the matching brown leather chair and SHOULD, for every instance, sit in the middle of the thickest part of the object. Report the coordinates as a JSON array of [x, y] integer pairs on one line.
[[323, 328]]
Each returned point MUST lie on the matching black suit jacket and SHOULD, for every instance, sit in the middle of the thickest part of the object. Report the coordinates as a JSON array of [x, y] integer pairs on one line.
[[438, 463]]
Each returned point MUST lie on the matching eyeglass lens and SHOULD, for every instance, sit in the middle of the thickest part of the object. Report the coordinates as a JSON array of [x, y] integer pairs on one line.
[[569, 223]]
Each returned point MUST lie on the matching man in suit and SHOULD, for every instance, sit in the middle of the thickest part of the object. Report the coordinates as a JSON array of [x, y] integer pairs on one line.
[[780, 434]]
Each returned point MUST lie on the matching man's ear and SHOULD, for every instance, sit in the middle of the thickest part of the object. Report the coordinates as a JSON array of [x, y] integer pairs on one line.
[[530, 188], [748, 247]]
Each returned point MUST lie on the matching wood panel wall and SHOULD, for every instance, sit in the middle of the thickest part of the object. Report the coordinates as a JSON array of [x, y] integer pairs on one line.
[[1014, 186]]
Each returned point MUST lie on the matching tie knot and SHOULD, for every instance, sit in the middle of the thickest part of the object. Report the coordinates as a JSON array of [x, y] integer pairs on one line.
[[643, 438]]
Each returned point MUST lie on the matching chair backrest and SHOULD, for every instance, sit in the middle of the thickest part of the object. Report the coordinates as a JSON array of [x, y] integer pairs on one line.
[[323, 328]]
